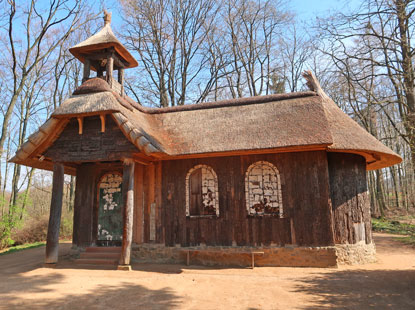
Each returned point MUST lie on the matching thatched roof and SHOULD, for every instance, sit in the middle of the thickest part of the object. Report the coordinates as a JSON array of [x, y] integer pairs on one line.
[[265, 124], [104, 38]]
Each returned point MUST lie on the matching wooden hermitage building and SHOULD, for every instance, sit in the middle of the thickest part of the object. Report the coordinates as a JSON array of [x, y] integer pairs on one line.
[[280, 175]]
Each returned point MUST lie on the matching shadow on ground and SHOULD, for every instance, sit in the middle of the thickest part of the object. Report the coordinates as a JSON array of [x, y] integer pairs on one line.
[[65, 262], [126, 296], [361, 289]]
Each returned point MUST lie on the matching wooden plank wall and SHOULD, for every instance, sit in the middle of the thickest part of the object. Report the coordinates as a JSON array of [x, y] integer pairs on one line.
[[148, 191], [138, 227], [348, 190], [92, 144], [84, 206], [305, 193]]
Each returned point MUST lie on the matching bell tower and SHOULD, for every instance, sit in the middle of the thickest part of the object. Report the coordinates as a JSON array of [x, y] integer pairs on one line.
[[104, 54]]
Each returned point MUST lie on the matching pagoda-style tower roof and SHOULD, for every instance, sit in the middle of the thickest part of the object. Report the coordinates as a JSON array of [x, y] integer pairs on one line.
[[104, 39]]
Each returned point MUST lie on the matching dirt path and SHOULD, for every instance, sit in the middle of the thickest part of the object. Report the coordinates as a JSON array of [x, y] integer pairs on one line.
[[388, 284]]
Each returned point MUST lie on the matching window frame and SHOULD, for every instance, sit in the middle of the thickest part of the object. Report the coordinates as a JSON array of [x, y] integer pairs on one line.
[[188, 192], [249, 203]]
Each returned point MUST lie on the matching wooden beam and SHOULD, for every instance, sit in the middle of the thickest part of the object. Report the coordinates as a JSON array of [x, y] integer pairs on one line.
[[52, 239], [291, 149], [80, 123], [128, 200], [102, 117]]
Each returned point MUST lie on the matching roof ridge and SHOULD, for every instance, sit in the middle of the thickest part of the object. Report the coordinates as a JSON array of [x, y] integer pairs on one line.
[[226, 102]]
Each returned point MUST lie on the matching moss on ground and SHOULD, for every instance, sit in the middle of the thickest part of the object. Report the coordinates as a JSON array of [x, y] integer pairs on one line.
[[22, 247], [395, 227]]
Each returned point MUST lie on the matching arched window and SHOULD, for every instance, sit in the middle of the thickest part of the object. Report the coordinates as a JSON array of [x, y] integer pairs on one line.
[[202, 191], [263, 189]]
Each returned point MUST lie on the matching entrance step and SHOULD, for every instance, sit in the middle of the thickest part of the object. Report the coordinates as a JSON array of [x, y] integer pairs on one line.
[[99, 256], [96, 261], [103, 249], [103, 255]]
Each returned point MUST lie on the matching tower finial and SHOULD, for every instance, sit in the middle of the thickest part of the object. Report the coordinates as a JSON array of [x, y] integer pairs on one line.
[[107, 17]]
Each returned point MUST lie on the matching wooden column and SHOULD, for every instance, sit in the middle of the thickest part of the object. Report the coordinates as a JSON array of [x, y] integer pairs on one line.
[[128, 212], [110, 67], [100, 71], [121, 80], [87, 70], [52, 241]]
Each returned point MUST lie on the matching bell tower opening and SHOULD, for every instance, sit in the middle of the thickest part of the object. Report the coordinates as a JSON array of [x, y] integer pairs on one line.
[[104, 54]]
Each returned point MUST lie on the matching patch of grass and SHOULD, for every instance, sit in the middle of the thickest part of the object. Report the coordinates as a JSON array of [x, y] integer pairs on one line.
[[22, 247], [407, 240], [395, 227], [392, 226]]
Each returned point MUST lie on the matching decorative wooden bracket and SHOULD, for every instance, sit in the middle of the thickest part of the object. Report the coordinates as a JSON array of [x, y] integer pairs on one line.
[[80, 123], [102, 117]]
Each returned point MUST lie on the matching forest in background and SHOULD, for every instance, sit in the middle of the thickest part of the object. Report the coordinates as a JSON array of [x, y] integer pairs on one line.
[[193, 51]]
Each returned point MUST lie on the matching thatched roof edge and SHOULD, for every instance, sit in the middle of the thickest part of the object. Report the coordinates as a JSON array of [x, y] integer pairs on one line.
[[34, 140], [134, 135]]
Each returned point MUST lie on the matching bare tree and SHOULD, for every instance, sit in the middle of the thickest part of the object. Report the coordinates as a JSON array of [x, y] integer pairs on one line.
[[45, 28], [253, 29], [169, 38], [379, 36], [371, 52], [295, 49]]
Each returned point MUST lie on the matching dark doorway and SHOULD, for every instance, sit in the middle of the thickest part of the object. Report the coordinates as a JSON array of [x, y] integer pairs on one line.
[[110, 210]]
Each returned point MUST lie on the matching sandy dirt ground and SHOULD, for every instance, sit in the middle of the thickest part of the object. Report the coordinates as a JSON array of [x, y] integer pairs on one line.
[[387, 284]]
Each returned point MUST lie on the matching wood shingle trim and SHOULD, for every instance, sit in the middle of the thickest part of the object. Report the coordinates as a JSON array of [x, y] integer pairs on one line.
[[136, 137]]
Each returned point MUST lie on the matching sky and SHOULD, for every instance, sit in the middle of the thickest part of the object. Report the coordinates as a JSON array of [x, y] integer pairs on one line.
[[310, 9], [304, 9]]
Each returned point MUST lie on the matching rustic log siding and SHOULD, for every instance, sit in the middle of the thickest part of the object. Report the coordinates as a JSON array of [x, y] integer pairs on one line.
[[305, 193], [148, 192], [92, 144], [349, 196]]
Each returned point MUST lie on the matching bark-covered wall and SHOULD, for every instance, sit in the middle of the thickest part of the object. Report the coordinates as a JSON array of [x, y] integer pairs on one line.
[[305, 199], [349, 196]]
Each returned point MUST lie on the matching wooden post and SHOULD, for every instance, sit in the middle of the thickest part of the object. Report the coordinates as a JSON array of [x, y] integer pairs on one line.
[[87, 70], [128, 210], [100, 72], [121, 80], [110, 67], [52, 241]]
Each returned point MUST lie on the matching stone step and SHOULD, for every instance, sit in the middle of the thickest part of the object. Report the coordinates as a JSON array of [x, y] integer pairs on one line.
[[102, 249], [96, 261], [103, 255]]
